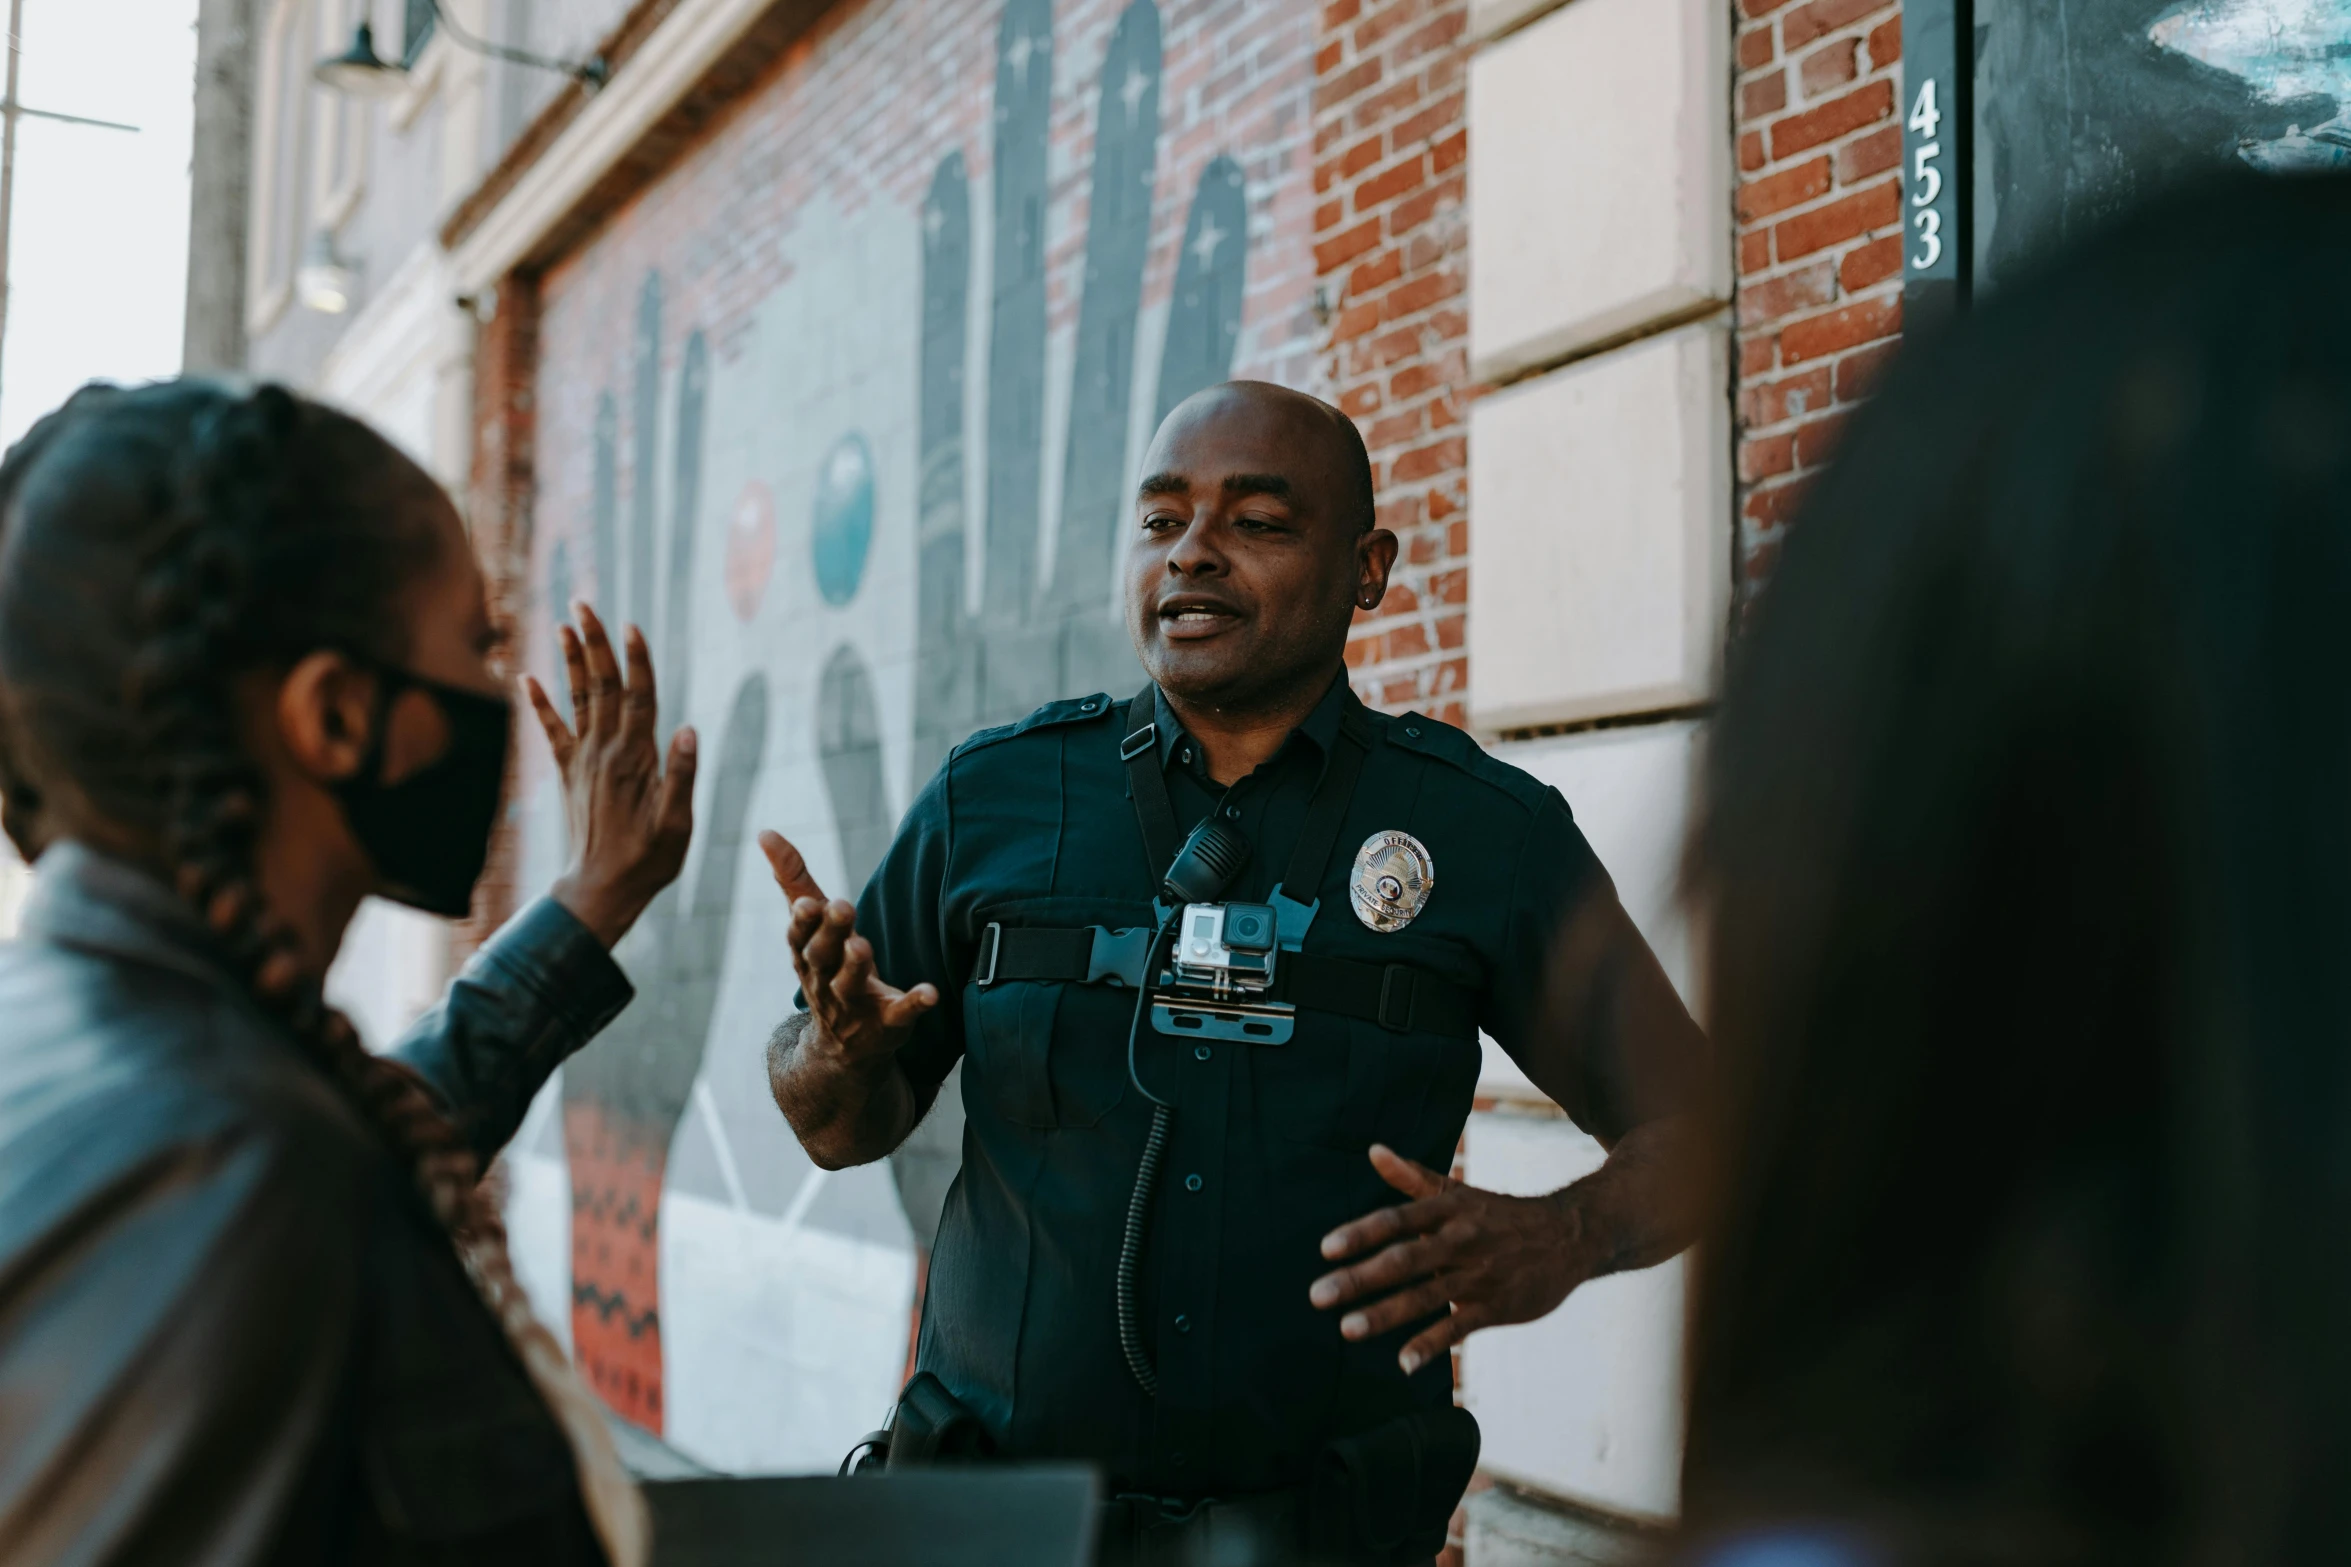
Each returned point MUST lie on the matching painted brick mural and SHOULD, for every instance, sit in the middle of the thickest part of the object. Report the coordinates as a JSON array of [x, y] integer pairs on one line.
[[843, 410]]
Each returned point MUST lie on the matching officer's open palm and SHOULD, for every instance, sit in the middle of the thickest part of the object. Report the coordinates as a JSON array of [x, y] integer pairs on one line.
[[856, 1012], [1493, 1259]]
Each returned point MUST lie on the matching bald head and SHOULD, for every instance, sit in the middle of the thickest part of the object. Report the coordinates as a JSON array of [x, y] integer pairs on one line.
[[1257, 544]]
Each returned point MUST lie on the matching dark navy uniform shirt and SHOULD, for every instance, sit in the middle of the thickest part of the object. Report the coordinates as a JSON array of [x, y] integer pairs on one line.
[[1033, 825]]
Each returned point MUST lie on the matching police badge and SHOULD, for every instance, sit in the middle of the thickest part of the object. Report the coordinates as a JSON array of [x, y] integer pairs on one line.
[[1393, 877]]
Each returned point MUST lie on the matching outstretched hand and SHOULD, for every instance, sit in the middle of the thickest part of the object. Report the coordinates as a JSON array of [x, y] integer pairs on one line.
[[1491, 1259], [858, 1016], [631, 816]]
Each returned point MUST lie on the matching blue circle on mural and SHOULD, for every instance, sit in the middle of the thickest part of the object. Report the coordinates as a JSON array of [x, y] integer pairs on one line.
[[844, 518]]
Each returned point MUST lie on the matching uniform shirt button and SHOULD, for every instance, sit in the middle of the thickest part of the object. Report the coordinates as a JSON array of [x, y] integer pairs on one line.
[[1184, 755], [1183, 1324], [1232, 813], [1412, 731], [1201, 1052], [1192, 1183]]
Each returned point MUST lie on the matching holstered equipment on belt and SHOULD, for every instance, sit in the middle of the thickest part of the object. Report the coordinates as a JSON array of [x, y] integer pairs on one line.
[[1381, 1498], [1387, 1495], [930, 1426]]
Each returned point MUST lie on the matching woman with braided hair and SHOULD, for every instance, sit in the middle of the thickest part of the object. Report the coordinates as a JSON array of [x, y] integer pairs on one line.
[[254, 1306]]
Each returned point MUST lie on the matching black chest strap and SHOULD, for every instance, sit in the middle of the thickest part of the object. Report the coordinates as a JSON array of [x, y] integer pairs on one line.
[[1400, 997]]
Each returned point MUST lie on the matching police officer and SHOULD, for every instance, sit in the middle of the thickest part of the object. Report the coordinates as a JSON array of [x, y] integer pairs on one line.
[[1168, 1253]]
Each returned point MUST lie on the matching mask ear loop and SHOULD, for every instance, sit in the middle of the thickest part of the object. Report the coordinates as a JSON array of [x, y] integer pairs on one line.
[[391, 685]]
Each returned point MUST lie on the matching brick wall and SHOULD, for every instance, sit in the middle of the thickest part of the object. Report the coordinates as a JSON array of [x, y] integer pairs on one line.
[[1391, 247], [499, 495], [1819, 212]]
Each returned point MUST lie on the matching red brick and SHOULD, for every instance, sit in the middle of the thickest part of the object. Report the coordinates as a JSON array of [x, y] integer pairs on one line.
[[1775, 505], [1385, 187], [1441, 505], [1754, 251], [1396, 429], [1788, 188], [1423, 461], [1402, 691], [1393, 346], [1445, 154], [1875, 153], [1870, 264], [1327, 58], [1816, 440], [1819, 18], [1751, 153], [1378, 272], [1457, 541], [1339, 13], [1858, 371], [1831, 65], [1803, 289], [1422, 548], [1865, 105], [1409, 640], [1879, 206], [1423, 291], [1766, 456], [1362, 156], [1355, 320], [1885, 43], [1757, 354], [1335, 252], [1450, 587], [1765, 95], [1441, 30], [1429, 121], [1452, 631], [1386, 21], [1398, 515], [1821, 336], [1792, 397], [1413, 380], [1361, 651], [1444, 412], [1329, 215], [1756, 49], [1413, 211], [1334, 90], [1358, 401], [1399, 600], [1757, 9]]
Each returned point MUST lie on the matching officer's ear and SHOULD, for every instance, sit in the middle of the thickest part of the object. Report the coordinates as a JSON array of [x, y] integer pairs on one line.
[[1375, 557]]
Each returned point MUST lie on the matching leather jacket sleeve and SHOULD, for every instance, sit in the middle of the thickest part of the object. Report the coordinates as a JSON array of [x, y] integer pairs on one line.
[[529, 996], [174, 1357]]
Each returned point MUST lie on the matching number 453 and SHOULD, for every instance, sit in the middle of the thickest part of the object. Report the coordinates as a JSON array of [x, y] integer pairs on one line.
[[1926, 180]]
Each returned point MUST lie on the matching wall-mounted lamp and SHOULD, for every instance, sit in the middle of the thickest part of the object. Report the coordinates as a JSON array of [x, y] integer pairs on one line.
[[325, 282], [362, 73]]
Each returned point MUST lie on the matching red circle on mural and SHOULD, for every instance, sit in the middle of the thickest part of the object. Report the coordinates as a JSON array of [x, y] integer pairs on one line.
[[751, 548]]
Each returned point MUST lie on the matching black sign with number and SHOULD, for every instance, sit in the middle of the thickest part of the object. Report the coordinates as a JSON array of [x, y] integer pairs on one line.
[[1936, 124]]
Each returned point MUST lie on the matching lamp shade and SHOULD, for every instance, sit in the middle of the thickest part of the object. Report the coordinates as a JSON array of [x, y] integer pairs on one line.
[[359, 70]]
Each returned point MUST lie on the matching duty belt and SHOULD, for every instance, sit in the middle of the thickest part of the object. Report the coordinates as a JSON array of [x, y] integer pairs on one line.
[[1397, 996]]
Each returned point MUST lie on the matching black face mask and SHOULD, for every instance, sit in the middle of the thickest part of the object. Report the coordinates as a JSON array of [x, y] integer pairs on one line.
[[429, 834]]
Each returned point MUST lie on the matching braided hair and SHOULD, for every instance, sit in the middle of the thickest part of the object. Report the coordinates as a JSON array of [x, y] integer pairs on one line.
[[155, 545]]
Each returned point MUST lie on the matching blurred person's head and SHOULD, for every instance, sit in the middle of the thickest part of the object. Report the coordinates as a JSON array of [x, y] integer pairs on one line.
[[2027, 859], [244, 644]]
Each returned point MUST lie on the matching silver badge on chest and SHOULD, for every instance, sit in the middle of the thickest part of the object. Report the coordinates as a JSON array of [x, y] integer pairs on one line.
[[1393, 878]]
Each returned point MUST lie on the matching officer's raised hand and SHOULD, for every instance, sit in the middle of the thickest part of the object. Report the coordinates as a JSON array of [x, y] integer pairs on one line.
[[833, 1068]]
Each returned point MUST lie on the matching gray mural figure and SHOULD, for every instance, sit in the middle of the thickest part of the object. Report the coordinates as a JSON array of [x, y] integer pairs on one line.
[[1029, 642], [622, 1100]]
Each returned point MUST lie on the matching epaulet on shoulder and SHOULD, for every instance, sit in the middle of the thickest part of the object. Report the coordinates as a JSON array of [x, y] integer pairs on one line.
[[1069, 710], [1426, 735]]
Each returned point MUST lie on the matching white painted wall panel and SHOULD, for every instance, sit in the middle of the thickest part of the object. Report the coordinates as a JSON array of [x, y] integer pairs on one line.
[[1601, 580], [1630, 790], [1600, 194], [1587, 1402]]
